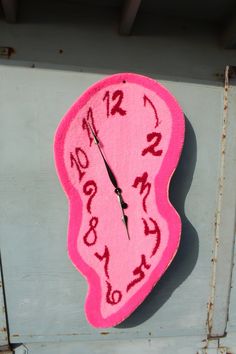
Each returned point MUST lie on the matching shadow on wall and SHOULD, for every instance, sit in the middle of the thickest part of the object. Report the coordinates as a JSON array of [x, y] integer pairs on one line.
[[187, 254]]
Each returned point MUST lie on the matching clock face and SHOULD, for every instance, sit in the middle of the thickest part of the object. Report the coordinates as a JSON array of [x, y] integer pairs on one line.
[[125, 133]]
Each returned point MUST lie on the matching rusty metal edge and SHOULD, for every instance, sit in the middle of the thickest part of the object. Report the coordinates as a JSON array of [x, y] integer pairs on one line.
[[217, 315], [210, 309], [4, 328]]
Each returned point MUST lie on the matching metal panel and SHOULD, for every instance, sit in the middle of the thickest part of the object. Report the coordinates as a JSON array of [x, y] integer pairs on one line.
[[45, 294], [138, 346]]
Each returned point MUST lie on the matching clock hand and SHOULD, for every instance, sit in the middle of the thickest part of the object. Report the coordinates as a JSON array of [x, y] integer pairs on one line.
[[113, 180], [124, 217], [109, 171]]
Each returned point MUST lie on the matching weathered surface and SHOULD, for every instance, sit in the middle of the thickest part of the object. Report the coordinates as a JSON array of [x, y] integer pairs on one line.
[[38, 274]]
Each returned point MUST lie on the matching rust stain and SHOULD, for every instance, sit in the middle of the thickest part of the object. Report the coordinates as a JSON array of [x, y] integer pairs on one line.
[[209, 316], [217, 221], [3, 329], [104, 333], [61, 51], [15, 335], [210, 337]]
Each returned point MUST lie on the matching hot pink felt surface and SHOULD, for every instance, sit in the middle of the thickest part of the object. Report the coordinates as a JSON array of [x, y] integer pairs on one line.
[[120, 272]]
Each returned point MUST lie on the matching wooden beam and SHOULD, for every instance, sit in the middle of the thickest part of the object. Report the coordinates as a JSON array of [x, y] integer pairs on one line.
[[10, 10], [129, 14], [229, 34]]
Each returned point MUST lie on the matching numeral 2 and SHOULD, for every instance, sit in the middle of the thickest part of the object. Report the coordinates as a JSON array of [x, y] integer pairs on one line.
[[152, 149]]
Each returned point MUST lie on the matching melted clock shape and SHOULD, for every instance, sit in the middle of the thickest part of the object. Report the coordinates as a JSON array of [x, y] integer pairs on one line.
[[115, 151]]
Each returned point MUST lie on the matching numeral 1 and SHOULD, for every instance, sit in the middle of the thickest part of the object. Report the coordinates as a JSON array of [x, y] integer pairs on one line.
[[85, 126]]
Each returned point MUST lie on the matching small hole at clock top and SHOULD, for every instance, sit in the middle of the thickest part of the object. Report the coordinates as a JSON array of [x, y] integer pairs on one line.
[[124, 81]]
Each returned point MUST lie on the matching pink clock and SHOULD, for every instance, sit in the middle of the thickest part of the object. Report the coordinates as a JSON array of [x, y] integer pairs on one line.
[[115, 151]]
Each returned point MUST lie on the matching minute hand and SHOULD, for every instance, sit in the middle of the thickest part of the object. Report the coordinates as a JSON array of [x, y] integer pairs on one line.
[[113, 180]]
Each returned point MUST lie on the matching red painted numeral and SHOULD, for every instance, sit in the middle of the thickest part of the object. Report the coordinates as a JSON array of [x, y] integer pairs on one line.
[[155, 231], [90, 237], [117, 96], [90, 189], [106, 257], [152, 148], [145, 100], [107, 99], [80, 160], [113, 297], [145, 187], [139, 272], [90, 119]]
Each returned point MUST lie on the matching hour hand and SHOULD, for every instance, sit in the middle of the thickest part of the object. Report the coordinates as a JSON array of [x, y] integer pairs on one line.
[[123, 206], [109, 171]]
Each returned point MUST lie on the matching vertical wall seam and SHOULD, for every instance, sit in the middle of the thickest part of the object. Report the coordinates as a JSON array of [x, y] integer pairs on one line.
[[219, 204], [4, 301]]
